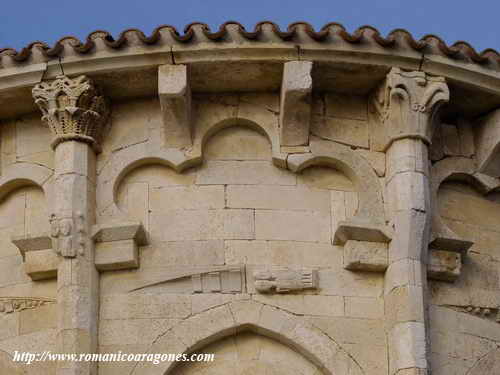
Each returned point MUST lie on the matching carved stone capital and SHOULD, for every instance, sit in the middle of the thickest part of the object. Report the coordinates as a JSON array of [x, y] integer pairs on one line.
[[74, 109], [407, 103]]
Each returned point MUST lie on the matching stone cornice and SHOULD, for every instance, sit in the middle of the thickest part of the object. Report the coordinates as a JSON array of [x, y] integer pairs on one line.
[[332, 50]]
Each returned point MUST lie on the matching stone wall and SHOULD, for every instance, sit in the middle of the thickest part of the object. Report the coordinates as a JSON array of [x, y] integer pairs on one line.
[[465, 315], [290, 230], [237, 208], [27, 309]]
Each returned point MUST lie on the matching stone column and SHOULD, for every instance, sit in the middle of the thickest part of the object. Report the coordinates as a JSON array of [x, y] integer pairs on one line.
[[410, 101], [76, 113]]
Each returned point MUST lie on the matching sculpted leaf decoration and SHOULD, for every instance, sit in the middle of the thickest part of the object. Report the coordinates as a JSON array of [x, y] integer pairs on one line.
[[73, 109]]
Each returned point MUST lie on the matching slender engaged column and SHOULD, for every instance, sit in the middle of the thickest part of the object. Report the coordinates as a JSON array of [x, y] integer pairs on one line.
[[76, 114], [410, 103]]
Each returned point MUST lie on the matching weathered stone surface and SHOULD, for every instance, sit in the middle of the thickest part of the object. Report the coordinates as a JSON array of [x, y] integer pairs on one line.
[[181, 225], [243, 173], [376, 160], [182, 253], [319, 177], [277, 198], [284, 253], [342, 130], [451, 140], [410, 351], [39, 319], [338, 282], [311, 226], [367, 308], [187, 198], [237, 143], [145, 306]]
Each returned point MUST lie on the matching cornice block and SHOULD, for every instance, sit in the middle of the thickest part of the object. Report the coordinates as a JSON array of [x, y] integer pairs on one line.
[[174, 92], [40, 261], [295, 106], [488, 144]]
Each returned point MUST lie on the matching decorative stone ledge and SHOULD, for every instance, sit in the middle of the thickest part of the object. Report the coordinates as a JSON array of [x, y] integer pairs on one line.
[[40, 261], [361, 231], [444, 265], [117, 245], [373, 257], [365, 256]]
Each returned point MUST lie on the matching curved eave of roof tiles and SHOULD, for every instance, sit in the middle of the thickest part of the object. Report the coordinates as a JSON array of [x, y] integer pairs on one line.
[[100, 52], [330, 34]]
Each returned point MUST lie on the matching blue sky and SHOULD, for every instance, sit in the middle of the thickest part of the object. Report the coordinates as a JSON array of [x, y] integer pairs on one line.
[[25, 21]]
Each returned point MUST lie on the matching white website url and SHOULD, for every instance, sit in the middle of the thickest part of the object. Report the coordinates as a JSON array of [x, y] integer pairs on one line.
[[155, 358]]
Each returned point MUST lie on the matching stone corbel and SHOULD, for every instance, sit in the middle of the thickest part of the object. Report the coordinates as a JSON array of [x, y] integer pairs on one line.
[[295, 105], [174, 92], [365, 256], [444, 265], [360, 230], [116, 246], [488, 144], [40, 261], [373, 257]]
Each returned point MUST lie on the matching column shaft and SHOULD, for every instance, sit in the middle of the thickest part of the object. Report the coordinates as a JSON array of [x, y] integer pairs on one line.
[[405, 281], [77, 278]]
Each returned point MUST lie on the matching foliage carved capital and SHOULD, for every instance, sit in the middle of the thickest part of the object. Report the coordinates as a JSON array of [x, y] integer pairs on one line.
[[74, 109], [407, 103]]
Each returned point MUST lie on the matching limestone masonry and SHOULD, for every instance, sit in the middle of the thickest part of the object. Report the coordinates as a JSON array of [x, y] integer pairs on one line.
[[296, 202]]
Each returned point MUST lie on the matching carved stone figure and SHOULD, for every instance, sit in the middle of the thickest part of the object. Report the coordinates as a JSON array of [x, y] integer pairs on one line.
[[13, 304], [206, 279], [65, 245], [80, 230], [68, 235], [54, 233], [284, 280]]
